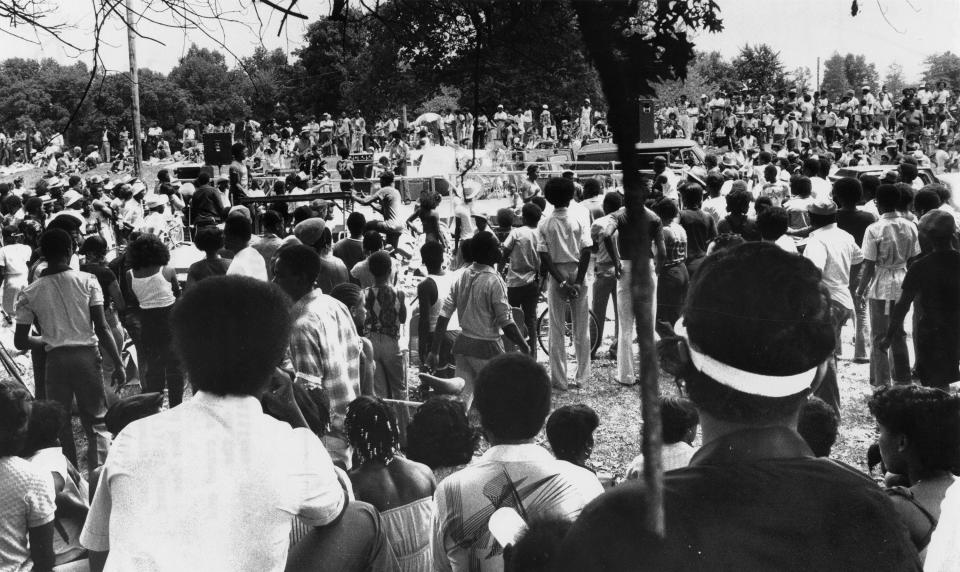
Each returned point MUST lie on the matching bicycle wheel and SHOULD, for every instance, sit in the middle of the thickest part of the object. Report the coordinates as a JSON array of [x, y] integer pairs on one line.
[[543, 332]]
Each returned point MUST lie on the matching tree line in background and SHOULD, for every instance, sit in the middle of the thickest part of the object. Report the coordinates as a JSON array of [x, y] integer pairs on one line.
[[364, 63]]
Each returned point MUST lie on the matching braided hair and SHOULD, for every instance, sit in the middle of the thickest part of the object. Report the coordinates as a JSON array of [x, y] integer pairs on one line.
[[372, 430]]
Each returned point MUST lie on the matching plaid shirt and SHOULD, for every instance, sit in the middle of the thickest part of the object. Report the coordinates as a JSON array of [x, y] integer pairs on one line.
[[325, 352]]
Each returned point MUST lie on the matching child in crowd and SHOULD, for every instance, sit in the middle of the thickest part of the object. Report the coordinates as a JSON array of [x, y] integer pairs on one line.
[[523, 284], [14, 258], [431, 292], [386, 312], [42, 449], [818, 425], [505, 219], [26, 492], [570, 433], [351, 297], [680, 421], [208, 239]]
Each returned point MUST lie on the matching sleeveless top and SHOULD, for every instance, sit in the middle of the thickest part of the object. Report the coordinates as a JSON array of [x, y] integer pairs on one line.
[[152, 292], [408, 529], [907, 495], [444, 283]]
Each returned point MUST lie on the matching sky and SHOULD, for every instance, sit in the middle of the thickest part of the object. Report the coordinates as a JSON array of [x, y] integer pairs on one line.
[[801, 30]]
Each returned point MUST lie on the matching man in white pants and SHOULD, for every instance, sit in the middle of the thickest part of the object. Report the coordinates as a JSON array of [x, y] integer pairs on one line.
[[564, 245], [626, 254]]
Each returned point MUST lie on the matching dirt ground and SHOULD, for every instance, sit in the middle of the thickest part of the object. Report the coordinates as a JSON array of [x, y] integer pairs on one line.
[[618, 437]]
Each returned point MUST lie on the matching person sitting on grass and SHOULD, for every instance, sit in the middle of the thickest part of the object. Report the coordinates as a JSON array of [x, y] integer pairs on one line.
[[570, 433], [42, 449], [402, 490], [729, 510], [919, 439], [818, 425], [440, 436], [680, 421], [26, 492], [513, 400]]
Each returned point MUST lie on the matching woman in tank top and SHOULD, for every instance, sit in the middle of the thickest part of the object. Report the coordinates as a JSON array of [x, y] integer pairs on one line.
[[155, 286]]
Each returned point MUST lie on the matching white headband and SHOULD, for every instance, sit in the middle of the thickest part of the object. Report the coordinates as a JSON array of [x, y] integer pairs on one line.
[[745, 381]]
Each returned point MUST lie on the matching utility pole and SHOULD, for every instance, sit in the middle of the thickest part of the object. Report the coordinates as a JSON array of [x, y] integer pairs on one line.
[[818, 74], [134, 91]]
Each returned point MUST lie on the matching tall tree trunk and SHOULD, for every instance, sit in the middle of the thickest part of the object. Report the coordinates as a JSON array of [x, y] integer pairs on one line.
[[597, 23]]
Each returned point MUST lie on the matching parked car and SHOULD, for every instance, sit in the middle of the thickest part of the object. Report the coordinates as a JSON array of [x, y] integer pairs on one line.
[[680, 153], [925, 174]]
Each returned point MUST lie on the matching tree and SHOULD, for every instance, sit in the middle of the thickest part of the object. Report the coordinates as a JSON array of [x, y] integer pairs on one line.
[[798, 79], [943, 67], [203, 74], [266, 86], [698, 82], [758, 68], [894, 79], [717, 71], [849, 72]]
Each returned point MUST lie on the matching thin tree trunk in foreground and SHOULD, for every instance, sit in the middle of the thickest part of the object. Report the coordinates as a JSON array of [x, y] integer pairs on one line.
[[614, 69]]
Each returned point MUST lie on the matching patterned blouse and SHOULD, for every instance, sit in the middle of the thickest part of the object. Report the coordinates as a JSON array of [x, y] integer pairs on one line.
[[386, 310]]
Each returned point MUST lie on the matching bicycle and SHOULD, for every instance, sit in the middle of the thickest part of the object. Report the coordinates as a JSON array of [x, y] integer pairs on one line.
[[543, 330]]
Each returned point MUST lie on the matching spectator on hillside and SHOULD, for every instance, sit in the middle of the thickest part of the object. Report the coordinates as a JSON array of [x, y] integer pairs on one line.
[[772, 224], [701, 226], [386, 314], [349, 249], [246, 261], [314, 233]]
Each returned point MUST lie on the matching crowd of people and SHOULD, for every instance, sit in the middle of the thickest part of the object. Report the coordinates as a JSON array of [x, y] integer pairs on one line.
[[865, 125], [272, 427], [274, 431]]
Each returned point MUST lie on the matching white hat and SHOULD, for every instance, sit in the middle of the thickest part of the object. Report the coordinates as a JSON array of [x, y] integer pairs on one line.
[[545, 106], [155, 200], [187, 189], [71, 197], [108, 184], [138, 187], [471, 189]]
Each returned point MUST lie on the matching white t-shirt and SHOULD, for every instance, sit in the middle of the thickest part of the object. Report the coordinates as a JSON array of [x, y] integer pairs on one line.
[[14, 259], [61, 303], [26, 501], [212, 484], [248, 262]]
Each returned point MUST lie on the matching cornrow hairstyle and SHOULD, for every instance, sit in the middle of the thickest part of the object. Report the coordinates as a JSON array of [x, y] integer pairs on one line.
[[372, 430]]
